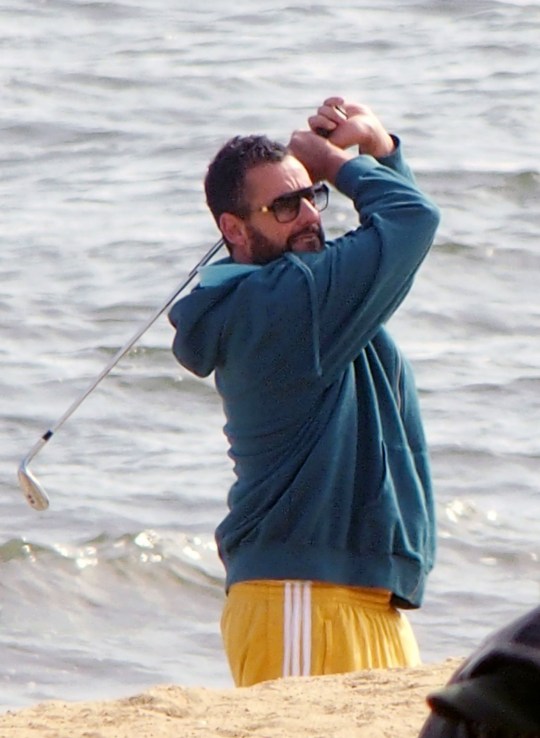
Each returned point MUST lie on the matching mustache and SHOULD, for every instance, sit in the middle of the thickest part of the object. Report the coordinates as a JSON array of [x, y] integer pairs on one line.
[[312, 230]]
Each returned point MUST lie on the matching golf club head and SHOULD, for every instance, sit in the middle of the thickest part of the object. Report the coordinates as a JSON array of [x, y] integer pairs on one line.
[[32, 489]]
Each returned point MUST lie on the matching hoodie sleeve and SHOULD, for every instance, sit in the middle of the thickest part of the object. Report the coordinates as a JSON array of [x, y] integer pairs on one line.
[[361, 278]]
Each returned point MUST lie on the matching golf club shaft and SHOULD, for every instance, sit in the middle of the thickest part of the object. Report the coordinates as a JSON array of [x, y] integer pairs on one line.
[[113, 362]]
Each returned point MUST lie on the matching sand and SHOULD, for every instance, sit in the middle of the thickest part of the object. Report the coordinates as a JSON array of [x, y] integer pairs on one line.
[[367, 704]]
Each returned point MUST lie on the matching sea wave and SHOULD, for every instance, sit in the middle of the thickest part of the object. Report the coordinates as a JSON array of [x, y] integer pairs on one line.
[[145, 555]]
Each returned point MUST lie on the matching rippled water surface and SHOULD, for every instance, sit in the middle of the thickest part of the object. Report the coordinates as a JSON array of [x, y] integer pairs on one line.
[[110, 113]]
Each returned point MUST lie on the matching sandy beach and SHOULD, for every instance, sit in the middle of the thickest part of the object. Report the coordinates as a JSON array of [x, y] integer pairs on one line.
[[368, 704]]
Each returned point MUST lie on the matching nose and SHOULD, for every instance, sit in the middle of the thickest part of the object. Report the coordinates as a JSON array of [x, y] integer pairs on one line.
[[308, 213]]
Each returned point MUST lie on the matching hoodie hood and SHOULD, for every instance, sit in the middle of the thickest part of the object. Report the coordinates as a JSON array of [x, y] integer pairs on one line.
[[231, 294], [214, 275], [198, 324]]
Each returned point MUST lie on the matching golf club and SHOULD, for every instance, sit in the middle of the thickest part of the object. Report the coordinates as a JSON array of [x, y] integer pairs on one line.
[[33, 490]]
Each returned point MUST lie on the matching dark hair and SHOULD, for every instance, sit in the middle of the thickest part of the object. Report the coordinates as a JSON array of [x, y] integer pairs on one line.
[[225, 180]]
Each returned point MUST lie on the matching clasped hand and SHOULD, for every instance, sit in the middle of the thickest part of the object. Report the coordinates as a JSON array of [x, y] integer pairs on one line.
[[348, 124]]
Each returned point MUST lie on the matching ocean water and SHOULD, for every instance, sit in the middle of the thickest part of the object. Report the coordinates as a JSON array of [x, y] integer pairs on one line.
[[110, 113]]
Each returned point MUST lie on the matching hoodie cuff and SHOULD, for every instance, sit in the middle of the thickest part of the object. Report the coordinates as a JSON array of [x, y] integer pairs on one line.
[[349, 174]]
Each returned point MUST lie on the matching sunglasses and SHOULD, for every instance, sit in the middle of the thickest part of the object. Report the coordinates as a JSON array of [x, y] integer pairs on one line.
[[285, 208]]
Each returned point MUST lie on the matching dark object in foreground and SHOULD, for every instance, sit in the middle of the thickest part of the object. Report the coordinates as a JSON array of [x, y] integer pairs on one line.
[[496, 692]]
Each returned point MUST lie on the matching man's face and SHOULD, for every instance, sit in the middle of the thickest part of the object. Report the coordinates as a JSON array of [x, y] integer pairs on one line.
[[263, 238]]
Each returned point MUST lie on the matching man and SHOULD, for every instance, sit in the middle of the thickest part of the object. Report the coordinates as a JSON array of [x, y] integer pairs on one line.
[[331, 523], [495, 693]]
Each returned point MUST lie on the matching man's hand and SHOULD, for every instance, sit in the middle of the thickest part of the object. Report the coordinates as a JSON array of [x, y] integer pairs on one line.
[[319, 155], [348, 124], [360, 127]]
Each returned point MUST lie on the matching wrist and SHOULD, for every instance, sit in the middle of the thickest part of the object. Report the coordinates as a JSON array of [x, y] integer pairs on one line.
[[335, 160], [379, 148]]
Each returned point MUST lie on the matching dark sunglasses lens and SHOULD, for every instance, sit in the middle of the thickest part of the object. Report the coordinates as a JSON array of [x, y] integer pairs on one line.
[[287, 208], [320, 199]]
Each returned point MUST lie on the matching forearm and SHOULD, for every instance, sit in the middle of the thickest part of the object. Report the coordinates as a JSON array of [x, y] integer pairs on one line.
[[404, 217]]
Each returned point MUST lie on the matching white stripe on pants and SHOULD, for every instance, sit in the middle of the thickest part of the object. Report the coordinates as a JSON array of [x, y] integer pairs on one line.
[[297, 629]]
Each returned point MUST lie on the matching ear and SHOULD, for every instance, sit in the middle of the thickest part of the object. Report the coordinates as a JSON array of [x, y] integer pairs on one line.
[[235, 233]]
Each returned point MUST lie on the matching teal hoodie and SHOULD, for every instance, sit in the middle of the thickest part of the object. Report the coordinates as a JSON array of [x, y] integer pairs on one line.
[[332, 472]]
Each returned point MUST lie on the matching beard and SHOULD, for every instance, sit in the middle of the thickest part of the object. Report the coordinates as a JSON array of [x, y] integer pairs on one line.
[[264, 250]]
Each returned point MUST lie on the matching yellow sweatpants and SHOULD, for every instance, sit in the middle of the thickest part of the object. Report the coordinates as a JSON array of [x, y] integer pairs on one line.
[[275, 629]]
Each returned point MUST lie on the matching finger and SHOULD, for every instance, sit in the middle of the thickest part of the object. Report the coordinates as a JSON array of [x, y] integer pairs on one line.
[[321, 125], [335, 113], [327, 119], [351, 109], [334, 102], [340, 112]]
